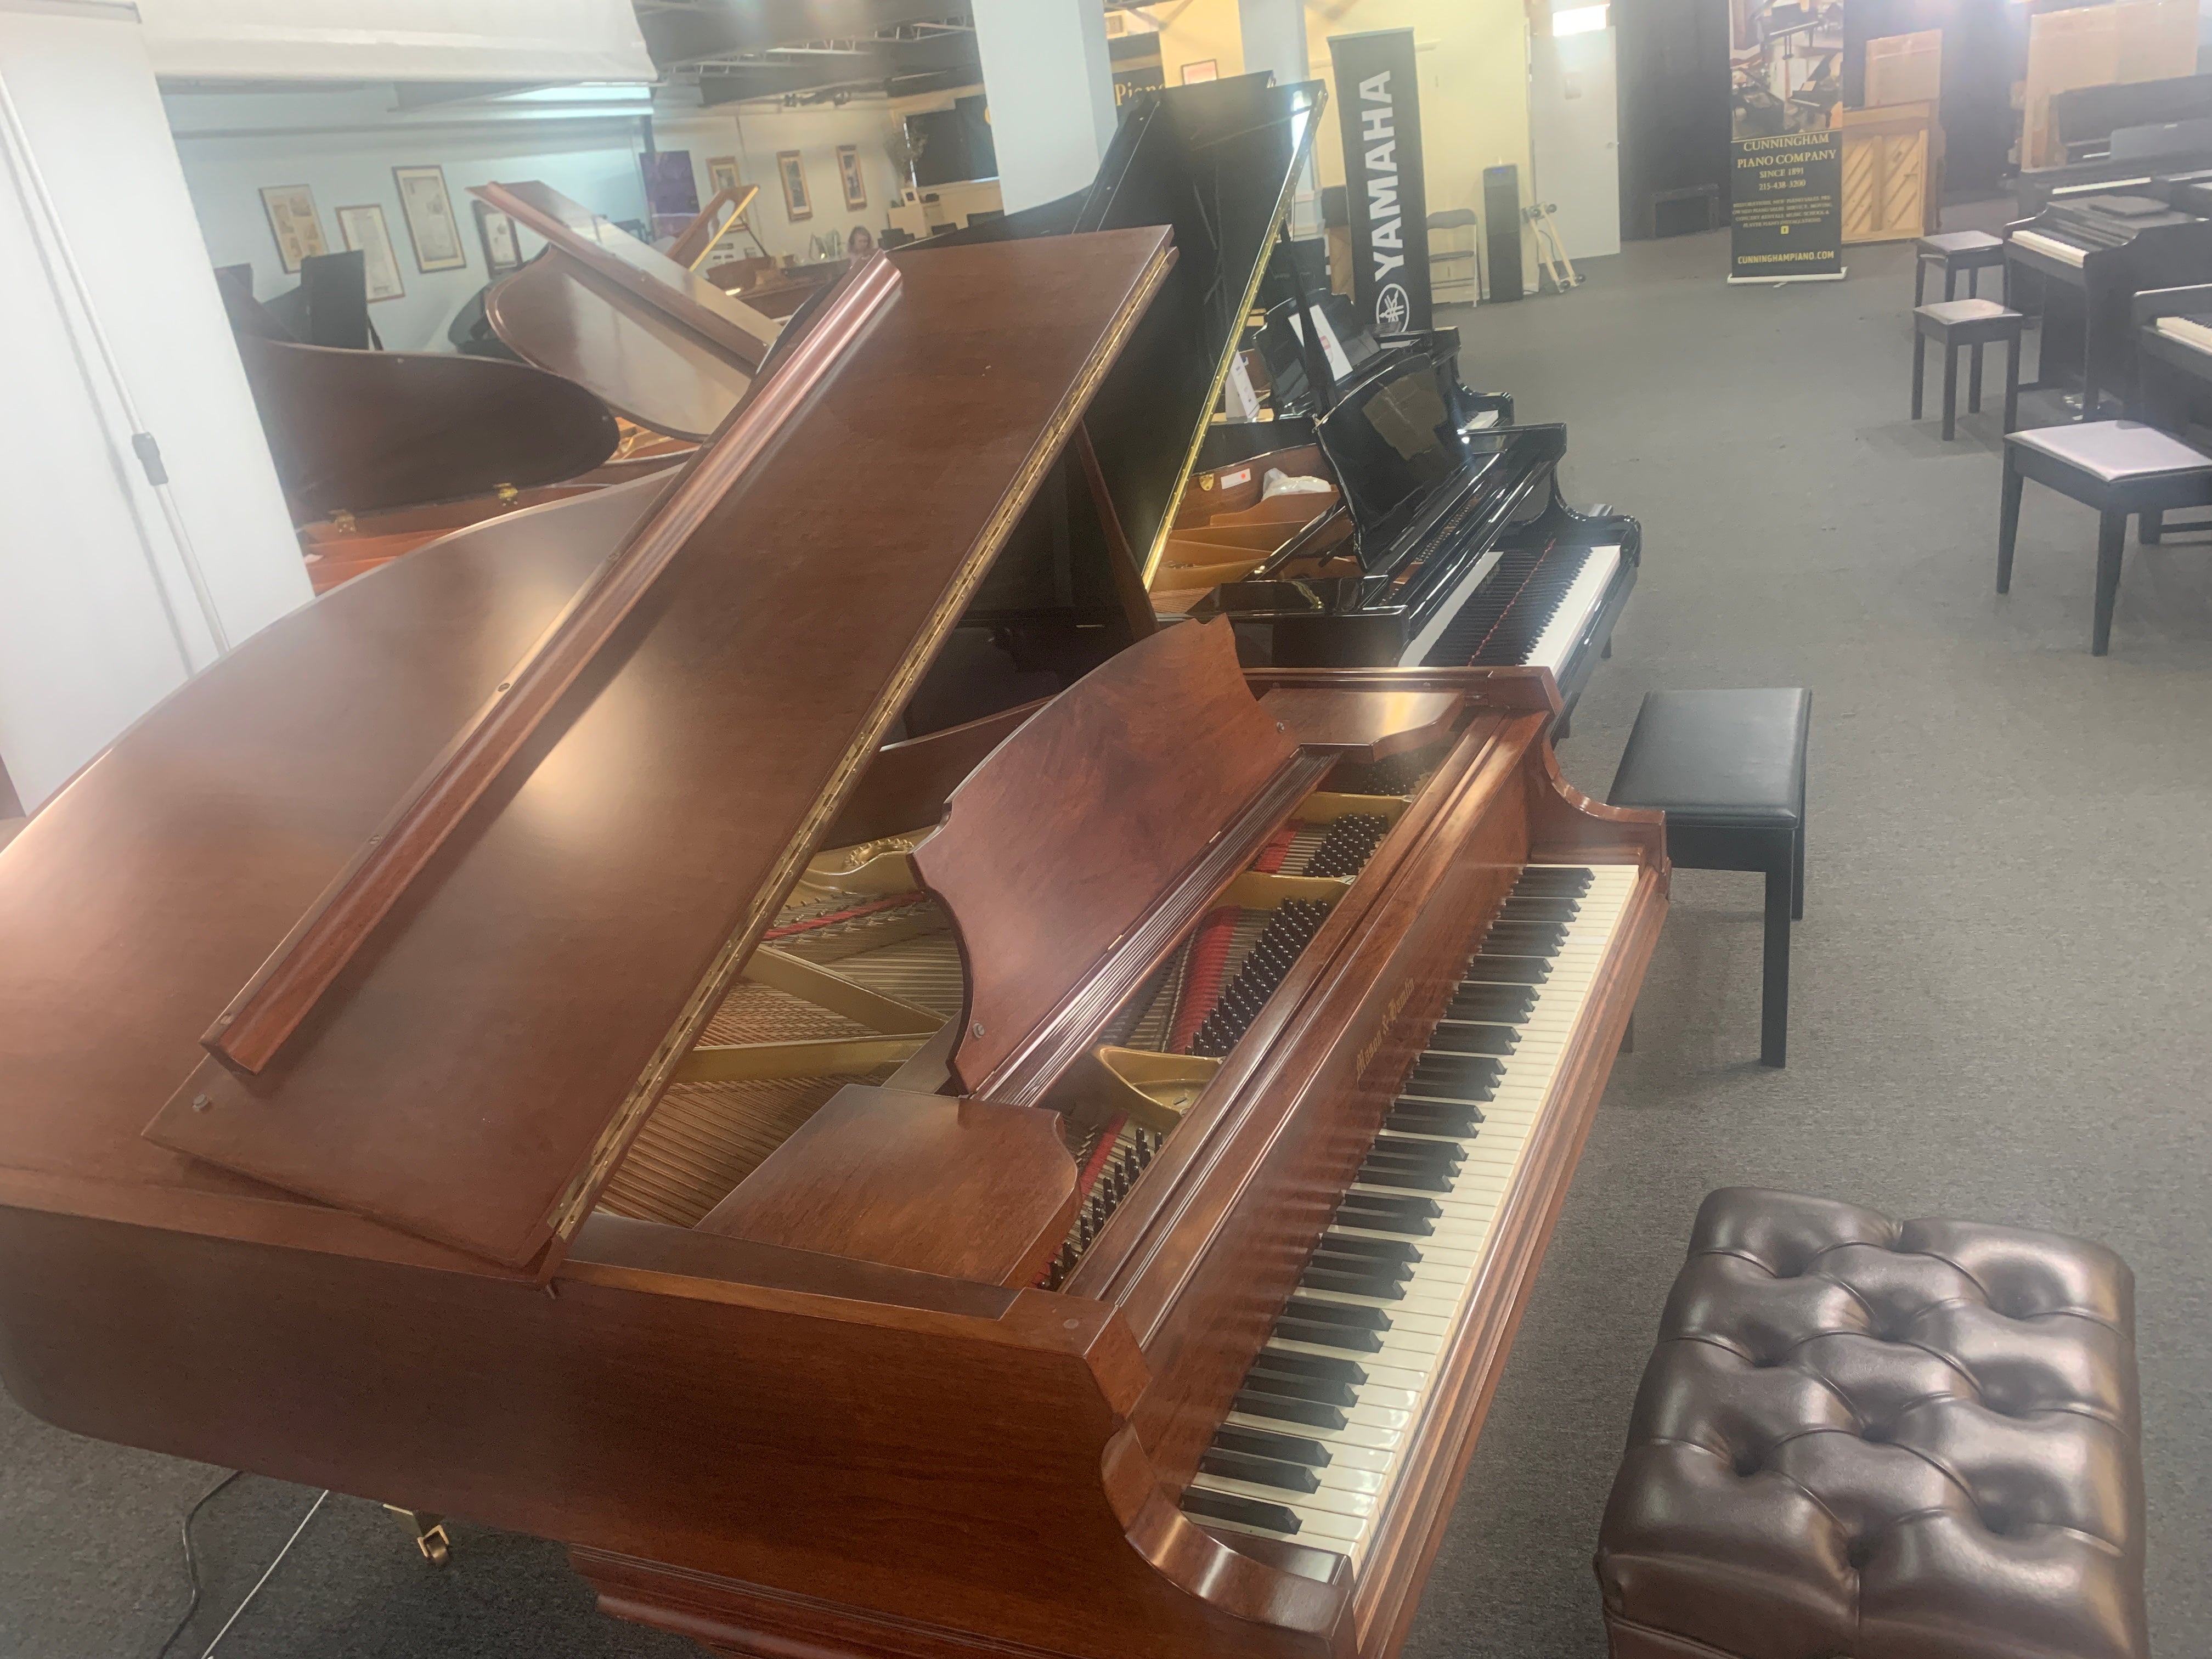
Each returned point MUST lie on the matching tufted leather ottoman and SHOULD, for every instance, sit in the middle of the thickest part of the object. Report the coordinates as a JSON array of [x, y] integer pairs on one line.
[[1861, 1438]]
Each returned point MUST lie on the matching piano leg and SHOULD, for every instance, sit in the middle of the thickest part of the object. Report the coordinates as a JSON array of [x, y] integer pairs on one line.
[[2112, 536], [1774, 991], [2007, 521]]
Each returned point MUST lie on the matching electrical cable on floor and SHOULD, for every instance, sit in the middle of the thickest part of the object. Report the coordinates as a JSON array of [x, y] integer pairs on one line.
[[192, 1563], [191, 1570]]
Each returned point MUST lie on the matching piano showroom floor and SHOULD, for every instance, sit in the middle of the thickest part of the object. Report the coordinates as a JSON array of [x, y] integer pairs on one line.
[[2000, 980]]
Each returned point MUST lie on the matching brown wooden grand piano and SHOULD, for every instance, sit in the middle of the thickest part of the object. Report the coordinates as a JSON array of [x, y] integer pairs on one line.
[[511, 1041]]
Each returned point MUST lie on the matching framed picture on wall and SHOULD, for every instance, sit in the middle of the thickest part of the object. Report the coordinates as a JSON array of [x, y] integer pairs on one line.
[[1206, 69], [796, 202], [428, 211], [363, 227], [502, 251], [849, 175], [722, 174], [293, 223]]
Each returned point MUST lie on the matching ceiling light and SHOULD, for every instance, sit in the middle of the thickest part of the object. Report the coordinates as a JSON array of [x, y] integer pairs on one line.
[[1580, 19]]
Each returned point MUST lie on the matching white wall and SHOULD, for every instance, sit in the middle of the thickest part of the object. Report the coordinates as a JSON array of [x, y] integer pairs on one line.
[[99, 618], [754, 133], [343, 144]]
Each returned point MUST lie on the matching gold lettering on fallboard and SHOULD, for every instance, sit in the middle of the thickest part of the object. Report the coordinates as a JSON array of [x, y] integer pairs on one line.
[[1382, 1032]]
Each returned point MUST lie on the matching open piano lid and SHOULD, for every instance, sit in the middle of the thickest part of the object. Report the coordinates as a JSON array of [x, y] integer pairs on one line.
[[655, 341], [1217, 162], [459, 1036]]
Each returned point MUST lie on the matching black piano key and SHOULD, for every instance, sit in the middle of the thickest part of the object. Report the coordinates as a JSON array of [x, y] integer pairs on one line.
[[1415, 1117], [1393, 1208], [1452, 1070], [1523, 906], [1351, 1265], [1343, 1337], [1310, 1364], [1544, 937], [1266, 1443], [1414, 1154], [1320, 1389], [1310, 1311], [1383, 1288], [1501, 969], [1404, 1226], [1248, 1511], [1381, 1249], [1555, 878], [1474, 1040], [1509, 1003], [1412, 1181], [1259, 1471], [1280, 1410]]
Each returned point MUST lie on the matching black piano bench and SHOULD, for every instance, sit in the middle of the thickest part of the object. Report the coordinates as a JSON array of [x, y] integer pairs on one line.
[[1972, 324], [1970, 250], [1858, 1435], [2119, 468], [1727, 768]]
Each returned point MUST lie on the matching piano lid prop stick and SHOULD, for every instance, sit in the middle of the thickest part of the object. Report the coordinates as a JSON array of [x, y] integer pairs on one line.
[[303, 968]]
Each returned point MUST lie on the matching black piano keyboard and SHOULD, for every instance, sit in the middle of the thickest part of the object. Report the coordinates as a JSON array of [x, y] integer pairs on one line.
[[1373, 1246], [1500, 624]]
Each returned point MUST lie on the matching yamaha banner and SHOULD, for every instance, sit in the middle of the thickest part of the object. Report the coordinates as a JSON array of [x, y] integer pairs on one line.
[[1384, 203]]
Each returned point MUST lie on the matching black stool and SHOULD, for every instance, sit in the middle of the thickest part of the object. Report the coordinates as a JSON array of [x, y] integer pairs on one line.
[[1972, 323], [1727, 768], [1970, 250], [2119, 468]]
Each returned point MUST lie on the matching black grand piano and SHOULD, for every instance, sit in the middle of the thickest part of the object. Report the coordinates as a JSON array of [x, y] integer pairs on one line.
[[1451, 544], [2081, 261], [1436, 534]]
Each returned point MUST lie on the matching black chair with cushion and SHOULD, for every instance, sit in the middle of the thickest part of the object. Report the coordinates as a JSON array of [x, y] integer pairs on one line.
[[1727, 768], [2121, 468], [1863, 1436], [1966, 324], [1953, 251]]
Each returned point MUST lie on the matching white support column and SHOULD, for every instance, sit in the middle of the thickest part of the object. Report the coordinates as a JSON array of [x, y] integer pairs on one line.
[[1050, 81], [1275, 38], [141, 529]]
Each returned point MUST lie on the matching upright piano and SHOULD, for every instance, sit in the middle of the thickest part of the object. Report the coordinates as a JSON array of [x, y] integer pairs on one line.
[[2087, 256], [513, 1040]]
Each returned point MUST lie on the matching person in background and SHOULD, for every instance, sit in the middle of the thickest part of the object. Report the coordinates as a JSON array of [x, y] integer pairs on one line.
[[860, 244]]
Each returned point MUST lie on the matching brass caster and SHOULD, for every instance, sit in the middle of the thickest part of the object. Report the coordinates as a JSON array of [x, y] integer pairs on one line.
[[429, 1532]]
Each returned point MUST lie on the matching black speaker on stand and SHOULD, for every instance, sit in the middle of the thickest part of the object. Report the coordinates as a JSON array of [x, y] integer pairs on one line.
[[1501, 216]]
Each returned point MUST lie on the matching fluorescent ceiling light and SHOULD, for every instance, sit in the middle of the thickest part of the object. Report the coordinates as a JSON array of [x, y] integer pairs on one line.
[[1579, 20], [585, 92]]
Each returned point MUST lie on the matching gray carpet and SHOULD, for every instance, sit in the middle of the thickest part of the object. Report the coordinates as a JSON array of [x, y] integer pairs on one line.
[[1998, 980]]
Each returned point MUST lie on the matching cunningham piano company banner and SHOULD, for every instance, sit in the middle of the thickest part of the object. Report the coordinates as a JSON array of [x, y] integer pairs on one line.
[[1386, 207], [1787, 207]]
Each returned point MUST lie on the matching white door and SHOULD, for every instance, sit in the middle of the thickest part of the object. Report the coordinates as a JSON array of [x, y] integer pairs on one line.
[[1575, 138]]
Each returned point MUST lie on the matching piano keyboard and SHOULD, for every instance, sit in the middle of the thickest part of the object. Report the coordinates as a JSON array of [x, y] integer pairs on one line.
[[1316, 1435], [1532, 611], [2050, 246]]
